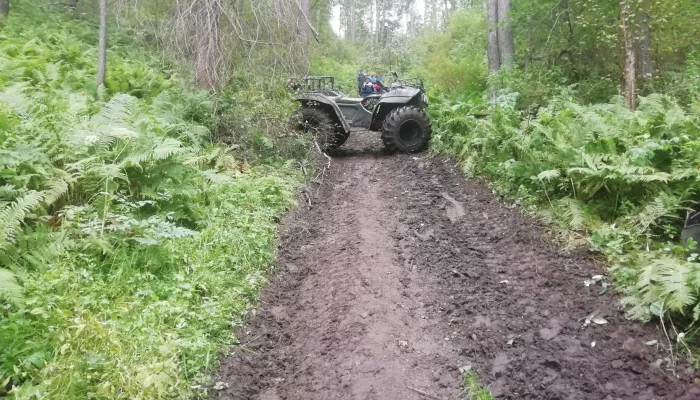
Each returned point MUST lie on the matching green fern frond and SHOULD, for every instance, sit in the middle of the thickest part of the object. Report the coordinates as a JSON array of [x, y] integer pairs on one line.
[[14, 98], [118, 110], [549, 175], [58, 188], [12, 215], [663, 205], [9, 192], [671, 281], [573, 212], [167, 148], [161, 150], [9, 289], [675, 279]]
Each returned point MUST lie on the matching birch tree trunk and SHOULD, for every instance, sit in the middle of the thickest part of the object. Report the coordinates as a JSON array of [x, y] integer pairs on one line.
[[492, 51], [642, 44], [506, 47], [630, 57], [208, 61], [352, 20], [4, 8], [102, 45], [377, 20]]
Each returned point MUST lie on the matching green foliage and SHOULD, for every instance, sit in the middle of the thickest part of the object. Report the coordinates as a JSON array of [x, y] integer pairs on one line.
[[473, 390], [454, 62], [129, 244], [624, 177]]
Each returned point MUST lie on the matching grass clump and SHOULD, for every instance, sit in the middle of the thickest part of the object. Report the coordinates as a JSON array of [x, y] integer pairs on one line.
[[473, 390]]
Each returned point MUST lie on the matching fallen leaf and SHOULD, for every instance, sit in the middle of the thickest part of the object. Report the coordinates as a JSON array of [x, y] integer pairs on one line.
[[652, 343], [599, 320]]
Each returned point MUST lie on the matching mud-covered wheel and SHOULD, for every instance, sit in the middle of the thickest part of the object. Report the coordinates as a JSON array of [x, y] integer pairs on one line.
[[406, 129], [321, 125]]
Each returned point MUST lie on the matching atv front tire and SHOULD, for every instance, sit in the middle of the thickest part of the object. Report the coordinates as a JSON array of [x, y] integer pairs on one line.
[[406, 129], [321, 125]]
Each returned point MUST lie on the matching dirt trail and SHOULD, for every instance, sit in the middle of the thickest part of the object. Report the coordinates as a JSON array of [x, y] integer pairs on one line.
[[402, 272]]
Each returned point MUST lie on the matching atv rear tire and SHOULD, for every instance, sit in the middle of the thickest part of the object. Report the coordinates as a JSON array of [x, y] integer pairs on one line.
[[406, 129], [327, 133]]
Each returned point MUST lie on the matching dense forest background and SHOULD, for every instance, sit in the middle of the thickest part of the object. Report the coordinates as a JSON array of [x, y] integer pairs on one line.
[[145, 158]]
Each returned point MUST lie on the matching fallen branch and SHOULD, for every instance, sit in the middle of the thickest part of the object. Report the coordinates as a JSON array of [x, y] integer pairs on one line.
[[428, 395], [323, 173], [670, 345], [324, 154]]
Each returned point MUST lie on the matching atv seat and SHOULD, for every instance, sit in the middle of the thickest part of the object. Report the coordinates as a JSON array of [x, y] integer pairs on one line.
[[348, 100]]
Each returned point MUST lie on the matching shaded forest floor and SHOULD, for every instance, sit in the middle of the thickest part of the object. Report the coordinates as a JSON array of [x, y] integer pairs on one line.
[[401, 272]]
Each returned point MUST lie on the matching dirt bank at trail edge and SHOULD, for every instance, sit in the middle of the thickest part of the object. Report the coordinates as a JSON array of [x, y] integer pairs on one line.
[[402, 271]]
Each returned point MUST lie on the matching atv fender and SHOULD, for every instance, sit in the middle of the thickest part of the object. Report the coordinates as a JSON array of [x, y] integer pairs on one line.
[[396, 98], [400, 96], [328, 104]]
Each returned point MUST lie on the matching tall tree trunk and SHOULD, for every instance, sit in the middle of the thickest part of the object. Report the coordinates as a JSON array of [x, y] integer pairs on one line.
[[353, 19], [102, 46], [4, 8], [208, 61], [492, 52], [506, 48], [642, 48], [305, 28], [630, 58], [378, 22]]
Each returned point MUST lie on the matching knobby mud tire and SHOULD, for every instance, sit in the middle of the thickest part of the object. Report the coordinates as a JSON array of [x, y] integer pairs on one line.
[[406, 129], [321, 125]]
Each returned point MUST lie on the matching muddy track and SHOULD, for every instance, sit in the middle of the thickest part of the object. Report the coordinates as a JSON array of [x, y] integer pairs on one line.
[[402, 272]]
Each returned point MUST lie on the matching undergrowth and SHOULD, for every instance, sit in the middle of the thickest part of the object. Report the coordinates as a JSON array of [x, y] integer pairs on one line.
[[129, 244], [622, 180]]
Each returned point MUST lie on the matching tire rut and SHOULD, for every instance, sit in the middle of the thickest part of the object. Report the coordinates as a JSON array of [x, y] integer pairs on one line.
[[402, 271]]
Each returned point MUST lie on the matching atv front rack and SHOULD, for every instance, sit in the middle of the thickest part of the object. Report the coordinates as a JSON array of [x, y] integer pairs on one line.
[[408, 82], [318, 83]]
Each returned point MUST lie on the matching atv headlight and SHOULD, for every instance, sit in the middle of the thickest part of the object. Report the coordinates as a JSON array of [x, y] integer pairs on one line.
[[424, 97]]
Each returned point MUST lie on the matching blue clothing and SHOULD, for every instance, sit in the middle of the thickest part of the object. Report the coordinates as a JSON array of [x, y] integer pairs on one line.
[[367, 89]]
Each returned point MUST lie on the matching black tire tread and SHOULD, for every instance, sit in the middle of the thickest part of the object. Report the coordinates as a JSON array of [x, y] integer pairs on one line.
[[392, 124], [323, 119]]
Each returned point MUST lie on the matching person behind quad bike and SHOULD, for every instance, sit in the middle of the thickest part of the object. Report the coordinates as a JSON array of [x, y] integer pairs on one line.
[[361, 76], [367, 87], [292, 85], [379, 87]]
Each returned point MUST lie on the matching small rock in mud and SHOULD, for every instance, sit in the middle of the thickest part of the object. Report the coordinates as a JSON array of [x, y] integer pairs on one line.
[[426, 236]]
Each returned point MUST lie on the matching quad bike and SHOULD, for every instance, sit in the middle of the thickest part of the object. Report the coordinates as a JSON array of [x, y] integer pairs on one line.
[[398, 114]]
